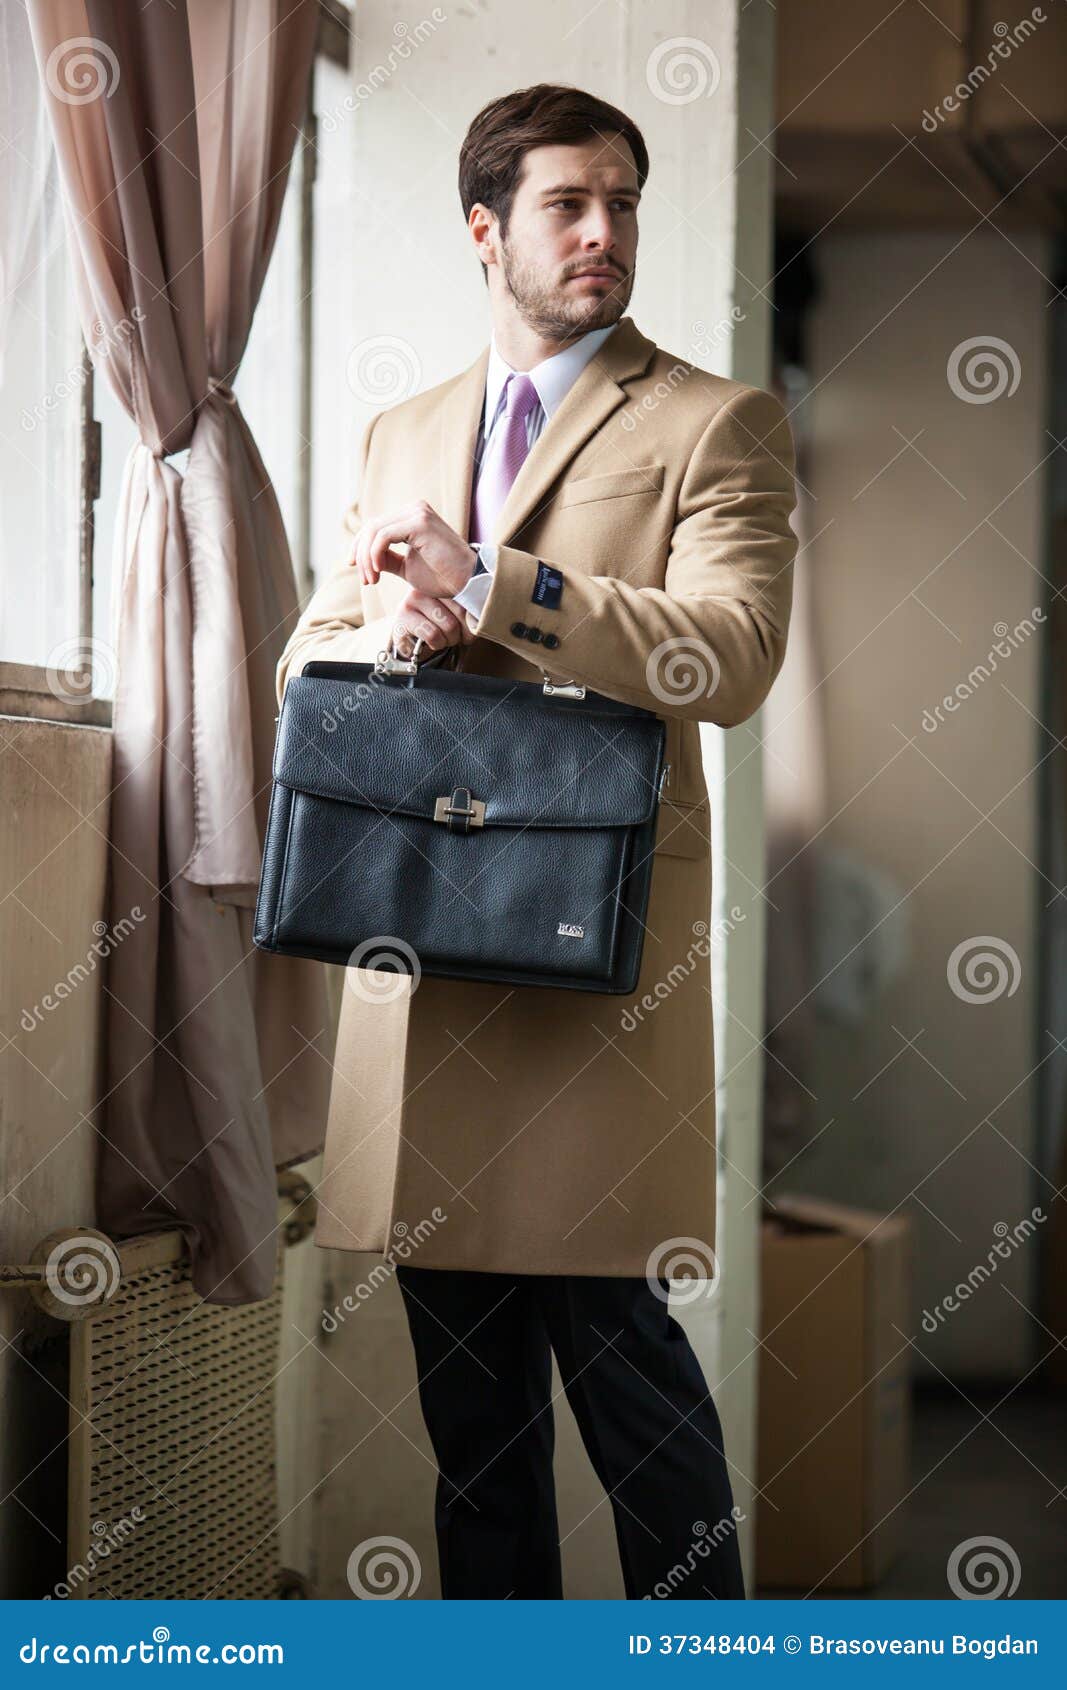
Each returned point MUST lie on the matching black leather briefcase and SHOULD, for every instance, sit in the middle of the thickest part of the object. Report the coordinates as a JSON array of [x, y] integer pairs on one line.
[[428, 821]]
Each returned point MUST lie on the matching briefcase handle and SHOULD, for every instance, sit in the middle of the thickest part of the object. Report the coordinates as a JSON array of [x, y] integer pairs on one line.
[[390, 663]]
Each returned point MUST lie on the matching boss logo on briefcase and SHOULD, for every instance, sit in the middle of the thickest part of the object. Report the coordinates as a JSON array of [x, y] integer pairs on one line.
[[570, 930]]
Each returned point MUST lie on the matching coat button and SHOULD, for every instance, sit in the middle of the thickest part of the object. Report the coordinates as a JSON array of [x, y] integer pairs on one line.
[[519, 630], [551, 641], [533, 634]]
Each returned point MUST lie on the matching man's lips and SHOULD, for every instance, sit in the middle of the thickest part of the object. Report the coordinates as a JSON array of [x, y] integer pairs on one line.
[[596, 276]]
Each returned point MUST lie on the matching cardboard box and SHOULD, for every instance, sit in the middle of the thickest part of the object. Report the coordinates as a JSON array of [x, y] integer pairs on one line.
[[834, 1395]]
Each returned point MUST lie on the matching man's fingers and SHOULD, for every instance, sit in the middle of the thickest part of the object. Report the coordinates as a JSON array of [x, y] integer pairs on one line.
[[373, 551], [363, 540], [407, 527], [432, 620]]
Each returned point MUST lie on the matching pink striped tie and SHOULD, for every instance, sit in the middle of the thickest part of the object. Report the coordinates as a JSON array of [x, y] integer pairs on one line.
[[506, 457]]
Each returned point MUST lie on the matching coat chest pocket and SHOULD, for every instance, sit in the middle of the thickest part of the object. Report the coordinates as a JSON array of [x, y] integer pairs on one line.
[[645, 478]]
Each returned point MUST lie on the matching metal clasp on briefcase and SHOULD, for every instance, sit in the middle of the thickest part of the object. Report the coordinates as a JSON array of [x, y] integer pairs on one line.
[[459, 810]]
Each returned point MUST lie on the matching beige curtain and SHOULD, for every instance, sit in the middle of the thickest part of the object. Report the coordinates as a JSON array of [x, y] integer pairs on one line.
[[174, 127]]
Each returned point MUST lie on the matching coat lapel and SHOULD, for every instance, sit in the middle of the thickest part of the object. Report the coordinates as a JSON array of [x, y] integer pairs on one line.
[[595, 395]]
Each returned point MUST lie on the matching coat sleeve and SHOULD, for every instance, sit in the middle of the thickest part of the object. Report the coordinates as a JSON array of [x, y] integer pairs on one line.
[[332, 623], [707, 644]]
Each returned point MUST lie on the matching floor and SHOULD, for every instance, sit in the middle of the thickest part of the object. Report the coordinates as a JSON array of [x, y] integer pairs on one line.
[[1001, 1477]]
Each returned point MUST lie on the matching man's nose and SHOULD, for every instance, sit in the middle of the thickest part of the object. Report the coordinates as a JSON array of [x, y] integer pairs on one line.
[[598, 232]]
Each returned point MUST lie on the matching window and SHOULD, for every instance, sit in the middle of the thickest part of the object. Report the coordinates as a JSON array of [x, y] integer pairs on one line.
[[64, 438], [44, 403]]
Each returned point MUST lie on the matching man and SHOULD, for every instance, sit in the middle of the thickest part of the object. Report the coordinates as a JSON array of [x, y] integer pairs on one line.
[[580, 504]]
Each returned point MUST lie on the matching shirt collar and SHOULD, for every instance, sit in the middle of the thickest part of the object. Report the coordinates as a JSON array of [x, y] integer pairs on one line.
[[553, 377]]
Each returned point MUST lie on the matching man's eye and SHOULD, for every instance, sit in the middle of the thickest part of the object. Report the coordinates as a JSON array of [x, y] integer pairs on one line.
[[571, 204]]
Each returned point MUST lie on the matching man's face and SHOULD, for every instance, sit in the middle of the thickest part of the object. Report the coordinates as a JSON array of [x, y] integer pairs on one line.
[[569, 255]]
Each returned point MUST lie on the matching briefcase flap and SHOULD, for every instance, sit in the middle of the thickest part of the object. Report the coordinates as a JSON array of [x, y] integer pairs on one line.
[[533, 761]]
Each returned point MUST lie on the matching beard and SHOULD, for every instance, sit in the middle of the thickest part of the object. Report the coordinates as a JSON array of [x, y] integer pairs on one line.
[[547, 308]]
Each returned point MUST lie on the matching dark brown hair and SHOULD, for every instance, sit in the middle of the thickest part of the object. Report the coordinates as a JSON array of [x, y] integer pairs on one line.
[[490, 159]]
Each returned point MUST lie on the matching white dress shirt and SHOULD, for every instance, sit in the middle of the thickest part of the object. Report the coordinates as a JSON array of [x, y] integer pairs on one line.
[[553, 378]]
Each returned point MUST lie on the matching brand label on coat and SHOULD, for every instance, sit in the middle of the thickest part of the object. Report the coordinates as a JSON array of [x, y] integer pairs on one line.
[[548, 588], [570, 930]]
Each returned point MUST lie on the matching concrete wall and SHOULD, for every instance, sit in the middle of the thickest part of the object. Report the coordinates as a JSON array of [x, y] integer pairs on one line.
[[930, 514]]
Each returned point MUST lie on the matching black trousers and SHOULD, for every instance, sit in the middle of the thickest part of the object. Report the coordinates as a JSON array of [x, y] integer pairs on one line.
[[483, 1349]]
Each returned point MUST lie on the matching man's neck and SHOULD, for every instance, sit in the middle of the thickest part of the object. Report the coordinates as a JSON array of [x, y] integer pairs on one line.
[[522, 348]]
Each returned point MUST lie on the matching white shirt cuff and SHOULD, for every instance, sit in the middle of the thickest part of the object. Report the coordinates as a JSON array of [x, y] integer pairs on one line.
[[473, 596]]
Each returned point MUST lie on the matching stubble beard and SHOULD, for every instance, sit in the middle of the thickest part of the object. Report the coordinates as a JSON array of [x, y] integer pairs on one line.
[[548, 312]]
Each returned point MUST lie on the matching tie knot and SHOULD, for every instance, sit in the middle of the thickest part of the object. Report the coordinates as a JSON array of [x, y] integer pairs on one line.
[[522, 396]]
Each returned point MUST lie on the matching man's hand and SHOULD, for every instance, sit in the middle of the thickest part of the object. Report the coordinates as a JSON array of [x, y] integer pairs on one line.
[[438, 562], [437, 622]]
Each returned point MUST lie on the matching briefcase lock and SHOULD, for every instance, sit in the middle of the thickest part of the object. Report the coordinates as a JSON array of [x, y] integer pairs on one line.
[[459, 810]]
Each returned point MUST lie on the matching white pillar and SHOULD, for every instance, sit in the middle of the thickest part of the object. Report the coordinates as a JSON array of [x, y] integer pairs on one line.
[[697, 79]]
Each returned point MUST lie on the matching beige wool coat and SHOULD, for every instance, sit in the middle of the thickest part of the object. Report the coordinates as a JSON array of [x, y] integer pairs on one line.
[[526, 1129]]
